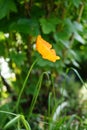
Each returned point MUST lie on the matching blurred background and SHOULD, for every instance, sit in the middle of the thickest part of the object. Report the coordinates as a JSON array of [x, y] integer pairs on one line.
[[62, 99]]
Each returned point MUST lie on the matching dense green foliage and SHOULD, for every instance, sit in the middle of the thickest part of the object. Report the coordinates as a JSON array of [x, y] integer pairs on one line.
[[35, 90]]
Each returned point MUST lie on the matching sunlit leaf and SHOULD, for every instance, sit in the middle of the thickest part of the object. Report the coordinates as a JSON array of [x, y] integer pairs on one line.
[[79, 38]]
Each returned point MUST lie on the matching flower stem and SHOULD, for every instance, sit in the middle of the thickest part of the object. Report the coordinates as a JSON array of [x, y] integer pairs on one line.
[[24, 84]]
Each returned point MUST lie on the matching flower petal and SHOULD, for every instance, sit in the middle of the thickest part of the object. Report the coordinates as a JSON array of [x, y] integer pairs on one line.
[[44, 48]]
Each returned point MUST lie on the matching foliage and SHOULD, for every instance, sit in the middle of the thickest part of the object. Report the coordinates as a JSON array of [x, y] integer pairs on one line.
[[37, 96]]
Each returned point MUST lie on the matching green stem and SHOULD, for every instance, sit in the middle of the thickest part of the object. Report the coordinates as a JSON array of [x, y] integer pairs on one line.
[[24, 84], [36, 93], [8, 113], [79, 77], [26, 124]]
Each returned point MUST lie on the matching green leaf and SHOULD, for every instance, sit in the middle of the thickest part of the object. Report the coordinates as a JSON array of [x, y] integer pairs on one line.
[[78, 26], [66, 32], [75, 63], [43, 62], [69, 26], [70, 121], [17, 58], [79, 38], [28, 26], [76, 2], [64, 35], [65, 43], [48, 25], [14, 120], [7, 6], [2, 37], [72, 54]]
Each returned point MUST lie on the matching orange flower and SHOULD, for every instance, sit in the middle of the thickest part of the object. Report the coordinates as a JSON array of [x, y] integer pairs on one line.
[[44, 48]]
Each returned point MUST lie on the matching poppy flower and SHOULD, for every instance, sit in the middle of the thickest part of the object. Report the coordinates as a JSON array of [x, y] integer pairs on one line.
[[45, 49]]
